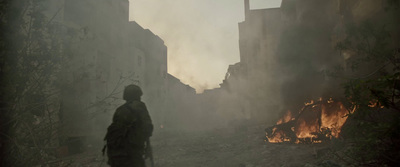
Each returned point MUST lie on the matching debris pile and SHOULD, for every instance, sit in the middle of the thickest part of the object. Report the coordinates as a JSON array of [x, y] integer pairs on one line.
[[316, 122]]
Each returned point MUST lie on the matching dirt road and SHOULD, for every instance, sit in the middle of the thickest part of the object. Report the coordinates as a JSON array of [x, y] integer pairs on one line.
[[223, 148], [228, 148]]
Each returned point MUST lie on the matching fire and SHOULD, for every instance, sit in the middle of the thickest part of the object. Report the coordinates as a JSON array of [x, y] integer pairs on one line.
[[286, 118], [316, 121], [333, 117], [305, 130], [375, 103], [278, 137], [309, 103]]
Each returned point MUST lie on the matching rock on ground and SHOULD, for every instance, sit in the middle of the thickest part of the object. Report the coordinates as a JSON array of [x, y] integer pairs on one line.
[[222, 148]]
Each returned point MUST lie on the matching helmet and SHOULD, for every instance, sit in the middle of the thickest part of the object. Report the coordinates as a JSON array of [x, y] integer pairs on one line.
[[132, 92]]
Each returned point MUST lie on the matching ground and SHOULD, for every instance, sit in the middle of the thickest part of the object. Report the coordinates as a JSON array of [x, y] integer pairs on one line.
[[221, 148]]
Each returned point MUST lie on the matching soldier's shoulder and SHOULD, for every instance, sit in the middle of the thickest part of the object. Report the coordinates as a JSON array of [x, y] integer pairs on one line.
[[120, 107], [121, 110], [137, 105]]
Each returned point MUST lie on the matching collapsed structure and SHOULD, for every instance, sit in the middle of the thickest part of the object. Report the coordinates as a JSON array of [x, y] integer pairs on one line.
[[108, 52], [286, 55]]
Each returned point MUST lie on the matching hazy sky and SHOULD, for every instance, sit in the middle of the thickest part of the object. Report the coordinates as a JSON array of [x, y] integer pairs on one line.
[[201, 35]]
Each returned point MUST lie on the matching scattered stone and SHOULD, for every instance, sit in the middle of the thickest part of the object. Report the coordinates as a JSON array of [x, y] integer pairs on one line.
[[266, 152], [249, 165], [322, 152], [309, 165], [329, 163]]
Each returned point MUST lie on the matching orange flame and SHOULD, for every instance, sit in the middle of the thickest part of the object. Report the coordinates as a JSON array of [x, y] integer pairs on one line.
[[333, 117], [286, 118], [323, 118], [304, 130]]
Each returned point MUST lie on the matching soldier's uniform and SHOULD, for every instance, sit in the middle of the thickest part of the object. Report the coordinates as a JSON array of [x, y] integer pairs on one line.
[[130, 129]]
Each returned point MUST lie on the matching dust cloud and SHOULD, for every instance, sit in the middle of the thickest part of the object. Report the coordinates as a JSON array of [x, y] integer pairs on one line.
[[202, 37], [214, 75]]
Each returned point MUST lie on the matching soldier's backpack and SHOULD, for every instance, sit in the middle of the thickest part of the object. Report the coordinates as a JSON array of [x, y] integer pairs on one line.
[[117, 137]]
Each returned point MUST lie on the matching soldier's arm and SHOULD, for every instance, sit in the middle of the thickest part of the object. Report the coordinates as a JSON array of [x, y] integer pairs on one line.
[[144, 116], [116, 116], [147, 123], [120, 116]]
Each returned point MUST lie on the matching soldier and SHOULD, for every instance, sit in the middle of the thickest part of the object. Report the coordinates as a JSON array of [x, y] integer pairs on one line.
[[129, 131]]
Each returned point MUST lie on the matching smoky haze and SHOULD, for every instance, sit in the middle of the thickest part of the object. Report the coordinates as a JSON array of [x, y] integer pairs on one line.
[[214, 74], [202, 36]]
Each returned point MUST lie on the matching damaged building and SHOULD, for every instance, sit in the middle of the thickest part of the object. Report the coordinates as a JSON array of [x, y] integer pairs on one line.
[[287, 54], [107, 53]]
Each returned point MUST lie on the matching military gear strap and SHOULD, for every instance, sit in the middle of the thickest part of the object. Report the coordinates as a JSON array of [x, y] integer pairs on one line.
[[104, 149], [149, 152]]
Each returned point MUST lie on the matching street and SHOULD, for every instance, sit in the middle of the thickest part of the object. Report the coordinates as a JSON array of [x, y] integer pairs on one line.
[[219, 148]]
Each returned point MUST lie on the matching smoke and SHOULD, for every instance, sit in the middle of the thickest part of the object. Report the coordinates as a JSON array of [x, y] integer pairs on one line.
[[202, 36], [286, 55], [306, 52]]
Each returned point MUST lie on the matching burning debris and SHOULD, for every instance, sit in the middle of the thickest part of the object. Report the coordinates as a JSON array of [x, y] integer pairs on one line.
[[316, 122]]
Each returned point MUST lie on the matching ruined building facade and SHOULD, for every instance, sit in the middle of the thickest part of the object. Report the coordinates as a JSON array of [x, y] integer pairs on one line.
[[181, 112], [107, 53], [287, 53], [276, 53]]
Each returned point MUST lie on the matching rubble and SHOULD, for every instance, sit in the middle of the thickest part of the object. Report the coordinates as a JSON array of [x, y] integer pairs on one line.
[[316, 122]]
